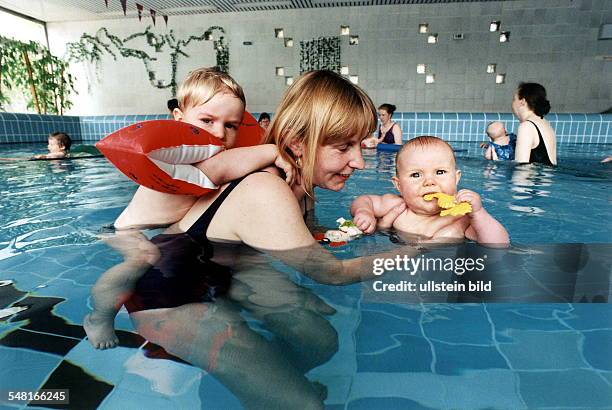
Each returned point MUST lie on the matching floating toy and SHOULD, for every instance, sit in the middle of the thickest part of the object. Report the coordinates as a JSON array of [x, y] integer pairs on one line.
[[157, 154], [448, 204], [347, 231]]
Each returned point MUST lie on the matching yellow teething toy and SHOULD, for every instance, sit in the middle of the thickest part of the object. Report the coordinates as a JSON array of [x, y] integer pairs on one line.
[[447, 203]]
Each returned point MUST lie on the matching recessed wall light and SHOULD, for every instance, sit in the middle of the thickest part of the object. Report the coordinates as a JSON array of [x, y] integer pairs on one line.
[[423, 28], [494, 26], [288, 80], [504, 37], [354, 79], [432, 38], [491, 68], [421, 68], [344, 70], [345, 30], [353, 40], [279, 33], [500, 78], [288, 42], [280, 71], [430, 79]]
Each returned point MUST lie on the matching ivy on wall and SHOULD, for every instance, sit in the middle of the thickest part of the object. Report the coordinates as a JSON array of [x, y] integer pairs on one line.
[[321, 53], [91, 48], [44, 78]]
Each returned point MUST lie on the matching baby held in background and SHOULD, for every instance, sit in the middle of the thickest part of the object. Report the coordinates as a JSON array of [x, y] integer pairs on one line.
[[425, 168], [502, 144]]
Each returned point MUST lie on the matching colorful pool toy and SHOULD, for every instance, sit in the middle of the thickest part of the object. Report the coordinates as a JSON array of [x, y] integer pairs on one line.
[[448, 204], [346, 232], [158, 154]]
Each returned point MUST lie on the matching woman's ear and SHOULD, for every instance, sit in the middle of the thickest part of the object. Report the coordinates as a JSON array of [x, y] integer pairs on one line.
[[177, 114], [296, 147]]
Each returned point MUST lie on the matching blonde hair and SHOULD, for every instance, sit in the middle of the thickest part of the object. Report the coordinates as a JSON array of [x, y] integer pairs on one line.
[[423, 142], [203, 84], [320, 108]]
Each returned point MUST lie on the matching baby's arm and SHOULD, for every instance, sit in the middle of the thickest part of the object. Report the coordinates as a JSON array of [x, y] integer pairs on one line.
[[483, 228], [235, 163], [367, 209]]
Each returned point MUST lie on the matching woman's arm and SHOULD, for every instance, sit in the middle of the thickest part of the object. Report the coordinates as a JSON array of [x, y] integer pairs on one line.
[[267, 217], [397, 134], [524, 142]]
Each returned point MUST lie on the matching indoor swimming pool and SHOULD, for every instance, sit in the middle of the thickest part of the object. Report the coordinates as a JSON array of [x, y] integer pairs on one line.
[[354, 351]]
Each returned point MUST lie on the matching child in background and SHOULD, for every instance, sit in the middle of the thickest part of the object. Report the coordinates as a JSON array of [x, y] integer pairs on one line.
[[264, 120], [213, 101], [426, 165], [208, 99], [502, 144], [58, 145]]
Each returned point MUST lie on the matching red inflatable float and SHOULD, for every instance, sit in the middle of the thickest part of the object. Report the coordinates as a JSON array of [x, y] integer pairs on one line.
[[157, 154]]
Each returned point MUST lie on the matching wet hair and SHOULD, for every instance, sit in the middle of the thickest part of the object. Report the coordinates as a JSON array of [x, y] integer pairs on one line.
[[535, 96], [203, 84], [423, 142], [390, 108], [172, 104], [319, 108], [63, 139], [264, 116]]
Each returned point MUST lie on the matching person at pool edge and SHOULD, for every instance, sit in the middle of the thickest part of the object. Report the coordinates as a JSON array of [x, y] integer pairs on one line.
[[389, 132], [213, 101], [264, 120], [502, 144], [426, 165], [536, 141]]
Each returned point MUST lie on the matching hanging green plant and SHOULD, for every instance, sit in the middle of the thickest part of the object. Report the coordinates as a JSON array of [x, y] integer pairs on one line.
[[43, 77], [321, 53], [91, 48]]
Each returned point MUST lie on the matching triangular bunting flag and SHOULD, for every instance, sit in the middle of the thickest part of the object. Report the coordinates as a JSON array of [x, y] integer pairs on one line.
[[153, 16], [124, 6], [165, 19], [139, 7], [106, 2]]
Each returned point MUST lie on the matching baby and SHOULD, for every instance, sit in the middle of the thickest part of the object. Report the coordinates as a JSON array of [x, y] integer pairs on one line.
[[214, 102], [502, 144], [426, 165], [58, 145]]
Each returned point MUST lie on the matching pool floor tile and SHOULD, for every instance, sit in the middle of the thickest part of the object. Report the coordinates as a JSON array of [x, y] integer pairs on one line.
[[455, 359], [406, 354], [592, 349], [25, 369]]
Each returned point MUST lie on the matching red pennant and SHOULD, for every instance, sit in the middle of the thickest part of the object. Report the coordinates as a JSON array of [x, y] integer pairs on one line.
[[140, 8], [124, 6], [165, 19], [153, 15]]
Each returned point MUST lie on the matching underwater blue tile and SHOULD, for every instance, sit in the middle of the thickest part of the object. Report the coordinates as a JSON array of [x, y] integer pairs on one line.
[[25, 369], [107, 365], [412, 354], [568, 389], [506, 317], [422, 115], [598, 349], [384, 324], [215, 395], [459, 323], [455, 359], [387, 403]]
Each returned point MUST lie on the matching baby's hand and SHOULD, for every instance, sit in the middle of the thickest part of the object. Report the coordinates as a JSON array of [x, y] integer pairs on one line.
[[465, 195], [365, 221], [484, 145], [281, 163]]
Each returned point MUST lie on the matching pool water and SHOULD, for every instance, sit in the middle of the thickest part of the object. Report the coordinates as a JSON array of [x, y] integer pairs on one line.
[[385, 355]]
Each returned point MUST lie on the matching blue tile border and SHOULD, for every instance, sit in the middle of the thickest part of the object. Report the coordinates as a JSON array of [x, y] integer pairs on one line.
[[451, 126]]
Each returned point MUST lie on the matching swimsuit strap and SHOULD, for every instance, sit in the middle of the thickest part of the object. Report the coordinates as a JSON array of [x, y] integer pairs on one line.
[[539, 153], [201, 225]]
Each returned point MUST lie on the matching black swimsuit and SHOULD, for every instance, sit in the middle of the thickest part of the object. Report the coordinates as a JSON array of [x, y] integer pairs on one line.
[[539, 153], [184, 272]]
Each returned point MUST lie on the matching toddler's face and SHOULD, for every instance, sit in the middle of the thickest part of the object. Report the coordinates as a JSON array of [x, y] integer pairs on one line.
[[426, 170], [54, 146], [220, 116]]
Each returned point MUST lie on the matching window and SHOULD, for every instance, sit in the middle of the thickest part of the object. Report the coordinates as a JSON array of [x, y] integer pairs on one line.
[[22, 29]]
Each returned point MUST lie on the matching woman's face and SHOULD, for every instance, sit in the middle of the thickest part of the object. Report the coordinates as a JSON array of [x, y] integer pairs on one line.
[[336, 162], [384, 116], [516, 104]]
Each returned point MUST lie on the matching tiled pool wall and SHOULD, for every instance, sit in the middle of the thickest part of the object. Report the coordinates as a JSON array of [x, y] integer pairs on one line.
[[463, 127]]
